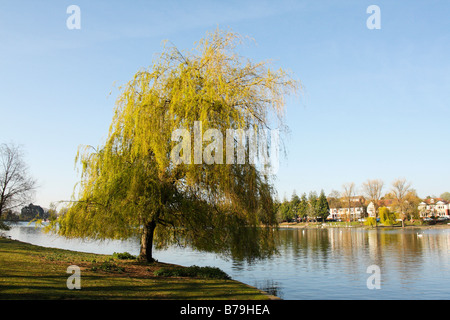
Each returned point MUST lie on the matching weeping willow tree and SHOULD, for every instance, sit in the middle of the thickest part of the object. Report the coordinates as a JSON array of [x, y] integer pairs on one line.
[[131, 185]]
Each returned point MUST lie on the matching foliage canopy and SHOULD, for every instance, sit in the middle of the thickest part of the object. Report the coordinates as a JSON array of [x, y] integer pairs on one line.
[[130, 185]]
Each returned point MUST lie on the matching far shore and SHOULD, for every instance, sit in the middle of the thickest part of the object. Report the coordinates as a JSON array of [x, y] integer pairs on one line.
[[317, 225]]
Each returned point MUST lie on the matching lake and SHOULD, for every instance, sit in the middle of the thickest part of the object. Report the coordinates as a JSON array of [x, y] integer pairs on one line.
[[327, 263]]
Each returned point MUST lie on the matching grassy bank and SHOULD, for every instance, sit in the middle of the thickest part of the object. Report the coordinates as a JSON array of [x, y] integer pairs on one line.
[[33, 272]]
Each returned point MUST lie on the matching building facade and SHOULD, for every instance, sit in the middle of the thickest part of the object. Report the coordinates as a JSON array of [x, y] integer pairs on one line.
[[344, 214], [434, 207], [356, 211]]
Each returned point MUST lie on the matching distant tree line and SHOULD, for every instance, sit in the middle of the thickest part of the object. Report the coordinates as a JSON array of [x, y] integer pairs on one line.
[[28, 213], [400, 201], [305, 208]]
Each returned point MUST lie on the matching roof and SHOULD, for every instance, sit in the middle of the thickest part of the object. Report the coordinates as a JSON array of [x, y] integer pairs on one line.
[[435, 201]]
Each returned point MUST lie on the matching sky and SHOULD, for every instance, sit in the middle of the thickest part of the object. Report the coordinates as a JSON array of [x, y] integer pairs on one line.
[[375, 103]]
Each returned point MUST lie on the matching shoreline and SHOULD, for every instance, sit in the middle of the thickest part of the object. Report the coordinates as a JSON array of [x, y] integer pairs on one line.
[[33, 272], [320, 225]]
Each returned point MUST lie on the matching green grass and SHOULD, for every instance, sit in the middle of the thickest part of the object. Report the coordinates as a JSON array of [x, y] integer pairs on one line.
[[34, 272]]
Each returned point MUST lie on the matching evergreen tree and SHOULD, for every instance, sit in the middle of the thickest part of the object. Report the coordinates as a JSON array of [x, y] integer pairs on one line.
[[285, 210], [303, 207], [295, 204], [323, 207], [312, 208]]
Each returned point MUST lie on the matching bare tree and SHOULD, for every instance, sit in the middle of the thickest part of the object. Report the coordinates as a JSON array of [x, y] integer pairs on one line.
[[334, 199], [372, 189], [16, 186], [400, 189], [348, 192]]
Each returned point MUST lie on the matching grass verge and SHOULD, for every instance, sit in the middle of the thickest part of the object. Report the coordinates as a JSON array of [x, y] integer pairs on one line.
[[39, 273]]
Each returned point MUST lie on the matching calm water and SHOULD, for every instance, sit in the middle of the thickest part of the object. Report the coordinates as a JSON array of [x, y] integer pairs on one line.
[[314, 264]]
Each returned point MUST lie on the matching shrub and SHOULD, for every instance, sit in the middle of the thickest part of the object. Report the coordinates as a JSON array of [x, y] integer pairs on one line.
[[193, 271], [123, 256], [370, 221]]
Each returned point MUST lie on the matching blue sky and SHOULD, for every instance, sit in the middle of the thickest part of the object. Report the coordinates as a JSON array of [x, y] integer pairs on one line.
[[376, 103]]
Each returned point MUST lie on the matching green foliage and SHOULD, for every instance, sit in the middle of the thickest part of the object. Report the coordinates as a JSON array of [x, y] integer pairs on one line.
[[312, 210], [322, 206], [386, 216], [285, 211], [294, 206], [123, 256], [303, 206], [370, 221], [107, 266], [313, 206], [131, 184], [32, 212], [193, 271], [4, 226]]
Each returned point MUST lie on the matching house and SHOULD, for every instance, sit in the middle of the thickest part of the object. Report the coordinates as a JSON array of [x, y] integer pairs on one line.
[[371, 210], [436, 207], [355, 212]]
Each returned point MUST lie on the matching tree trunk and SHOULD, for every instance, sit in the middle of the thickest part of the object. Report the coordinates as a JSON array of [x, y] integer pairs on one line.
[[147, 242]]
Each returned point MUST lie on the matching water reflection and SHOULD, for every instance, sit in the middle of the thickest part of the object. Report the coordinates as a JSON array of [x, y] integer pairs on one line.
[[28, 232], [411, 261], [315, 263], [272, 287]]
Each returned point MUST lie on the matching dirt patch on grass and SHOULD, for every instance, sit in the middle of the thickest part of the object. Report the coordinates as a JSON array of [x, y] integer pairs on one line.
[[107, 265]]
